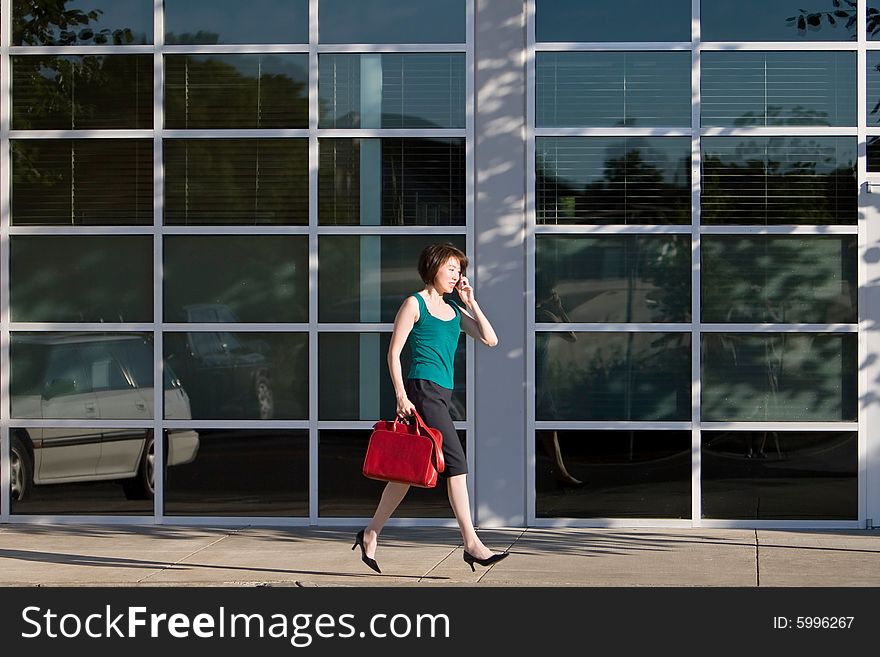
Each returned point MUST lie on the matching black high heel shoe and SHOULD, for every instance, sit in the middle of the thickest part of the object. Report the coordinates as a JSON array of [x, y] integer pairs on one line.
[[470, 559], [359, 541]]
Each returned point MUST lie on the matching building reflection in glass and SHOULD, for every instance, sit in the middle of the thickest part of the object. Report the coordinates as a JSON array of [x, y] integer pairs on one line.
[[781, 377], [614, 376]]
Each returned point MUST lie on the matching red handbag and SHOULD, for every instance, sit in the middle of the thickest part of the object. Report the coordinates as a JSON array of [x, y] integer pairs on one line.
[[405, 453]]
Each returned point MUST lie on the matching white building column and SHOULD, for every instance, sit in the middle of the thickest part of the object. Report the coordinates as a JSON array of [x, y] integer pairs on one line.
[[499, 255]]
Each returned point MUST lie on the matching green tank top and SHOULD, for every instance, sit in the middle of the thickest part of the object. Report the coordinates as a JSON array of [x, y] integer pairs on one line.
[[433, 343]]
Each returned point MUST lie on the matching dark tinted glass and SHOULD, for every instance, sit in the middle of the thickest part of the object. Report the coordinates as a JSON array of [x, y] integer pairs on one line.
[[784, 377], [91, 376], [624, 20], [236, 181], [776, 475], [392, 182], [236, 278], [873, 154], [240, 376], [391, 21], [81, 22], [366, 278], [779, 180], [242, 472], [779, 279], [88, 182], [613, 180], [91, 92], [622, 474], [225, 21], [84, 471], [778, 88], [609, 89], [778, 20], [612, 376], [344, 492], [626, 278], [353, 377], [81, 278], [237, 91], [413, 90]]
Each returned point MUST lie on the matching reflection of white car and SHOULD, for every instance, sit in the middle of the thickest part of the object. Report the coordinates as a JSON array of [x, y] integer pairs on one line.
[[95, 377]]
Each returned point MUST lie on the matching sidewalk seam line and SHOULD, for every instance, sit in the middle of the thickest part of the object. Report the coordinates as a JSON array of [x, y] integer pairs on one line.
[[486, 572], [757, 560], [193, 553]]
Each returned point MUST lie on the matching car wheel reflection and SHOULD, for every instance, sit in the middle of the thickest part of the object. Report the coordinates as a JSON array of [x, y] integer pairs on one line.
[[22, 470], [142, 486]]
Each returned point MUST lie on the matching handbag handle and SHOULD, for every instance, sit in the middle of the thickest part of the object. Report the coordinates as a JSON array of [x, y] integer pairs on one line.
[[439, 461]]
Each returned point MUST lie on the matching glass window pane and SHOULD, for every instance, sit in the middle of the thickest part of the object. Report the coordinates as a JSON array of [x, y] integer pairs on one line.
[[354, 383], [623, 20], [81, 22], [612, 89], [782, 377], [88, 182], [90, 92], [237, 91], [236, 181], [621, 474], [785, 279], [242, 472], [392, 182], [613, 180], [343, 492], [873, 89], [240, 376], [93, 376], [778, 475], [741, 89], [777, 20], [873, 20], [626, 278], [366, 278], [873, 154], [391, 21], [413, 90], [612, 376], [779, 180], [236, 278], [75, 470], [221, 21], [81, 278]]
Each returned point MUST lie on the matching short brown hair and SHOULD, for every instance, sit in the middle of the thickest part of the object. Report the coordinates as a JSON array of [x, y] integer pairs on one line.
[[434, 256]]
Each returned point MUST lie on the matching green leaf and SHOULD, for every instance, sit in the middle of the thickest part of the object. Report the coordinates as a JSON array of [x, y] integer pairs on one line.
[[814, 19]]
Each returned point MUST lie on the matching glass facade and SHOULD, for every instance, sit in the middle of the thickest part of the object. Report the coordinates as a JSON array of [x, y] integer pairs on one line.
[[694, 260], [234, 204]]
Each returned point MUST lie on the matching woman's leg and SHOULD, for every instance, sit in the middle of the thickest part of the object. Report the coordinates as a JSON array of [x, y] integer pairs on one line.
[[392, 496], [456, 487]]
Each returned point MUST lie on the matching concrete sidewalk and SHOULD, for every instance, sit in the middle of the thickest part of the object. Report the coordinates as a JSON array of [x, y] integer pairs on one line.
[[100, 555]]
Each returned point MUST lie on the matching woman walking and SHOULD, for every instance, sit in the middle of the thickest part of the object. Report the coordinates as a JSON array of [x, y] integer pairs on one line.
[[432, 324]]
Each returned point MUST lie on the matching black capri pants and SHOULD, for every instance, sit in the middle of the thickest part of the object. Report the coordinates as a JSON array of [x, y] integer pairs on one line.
[[432, 403]]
